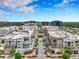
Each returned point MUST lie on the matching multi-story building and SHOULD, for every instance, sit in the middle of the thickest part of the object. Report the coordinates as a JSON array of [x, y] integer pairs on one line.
[[22, 41], [31, 23], [55, 40], [44, 23], [56, 23], [61, 39], [50, 28], [7, 30], [72, 43], [21, 38]]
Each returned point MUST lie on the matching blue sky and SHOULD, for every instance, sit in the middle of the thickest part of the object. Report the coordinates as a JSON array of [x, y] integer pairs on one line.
[[39, 10]]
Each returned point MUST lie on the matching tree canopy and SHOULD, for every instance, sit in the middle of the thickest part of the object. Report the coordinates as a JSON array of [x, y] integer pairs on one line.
[[17, 56]]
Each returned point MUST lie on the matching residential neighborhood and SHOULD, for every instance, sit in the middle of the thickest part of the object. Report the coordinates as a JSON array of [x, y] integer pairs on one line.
[[38, 41], [39, 29]]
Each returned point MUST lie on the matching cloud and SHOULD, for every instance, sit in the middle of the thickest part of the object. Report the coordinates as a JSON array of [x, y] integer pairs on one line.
[[17, 5], [25, 9], [12, 3], [64, 3], [2, 13]]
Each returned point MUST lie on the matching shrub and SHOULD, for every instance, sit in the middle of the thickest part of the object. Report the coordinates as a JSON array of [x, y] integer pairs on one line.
[[3, 41], [66, 55], [12, 52], [17, 56], [0, 52], [36, 43]]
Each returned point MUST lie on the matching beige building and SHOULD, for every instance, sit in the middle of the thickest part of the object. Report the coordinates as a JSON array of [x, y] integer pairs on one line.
[[60, 39], [20, 38], [71, 42]]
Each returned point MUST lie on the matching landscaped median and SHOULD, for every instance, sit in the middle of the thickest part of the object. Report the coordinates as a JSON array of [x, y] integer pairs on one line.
[[36, 43], [64, 55], [50, 55], [47, 53], [2, 56], [33, 54], [7, 53], [45, 43]]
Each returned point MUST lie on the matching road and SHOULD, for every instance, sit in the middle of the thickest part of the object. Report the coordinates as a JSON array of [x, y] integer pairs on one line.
[[41, 50]]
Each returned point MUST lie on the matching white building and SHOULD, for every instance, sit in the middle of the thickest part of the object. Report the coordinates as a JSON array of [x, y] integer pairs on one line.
[[60, 39], [55, 40], [20, 38], [7, 30], [50, 28], [71, 42], [22, 41]]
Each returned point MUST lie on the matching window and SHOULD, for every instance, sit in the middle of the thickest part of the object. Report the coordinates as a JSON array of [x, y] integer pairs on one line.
[[76, 41], [9, 41], [54, 41], [65, 42], [77, 45], [25, 45], [18, 41], [18, 47], [69, 43], [26, 38]]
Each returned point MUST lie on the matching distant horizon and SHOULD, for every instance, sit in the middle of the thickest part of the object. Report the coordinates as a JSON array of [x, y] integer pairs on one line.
[[37, 21]]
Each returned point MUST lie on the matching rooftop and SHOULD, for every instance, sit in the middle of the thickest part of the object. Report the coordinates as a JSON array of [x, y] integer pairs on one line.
[[56, 33], [15, 35]]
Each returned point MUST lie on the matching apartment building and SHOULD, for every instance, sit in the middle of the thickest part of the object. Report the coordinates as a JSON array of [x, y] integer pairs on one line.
[[71, 42], [50, 28], [21, 38], [7, 30], [31, 24], [55, 40], [60, 39], [25, 28], [22, 41]]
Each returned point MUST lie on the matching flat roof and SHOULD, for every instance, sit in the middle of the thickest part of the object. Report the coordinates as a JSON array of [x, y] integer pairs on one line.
[[15, 35], [56, 33]]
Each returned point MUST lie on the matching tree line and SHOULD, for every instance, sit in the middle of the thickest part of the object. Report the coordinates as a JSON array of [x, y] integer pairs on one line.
[[71, 24], [66, 24], [11, 24]]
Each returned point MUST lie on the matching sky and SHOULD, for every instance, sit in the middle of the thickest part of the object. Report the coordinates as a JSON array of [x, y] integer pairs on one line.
[[39, 10]]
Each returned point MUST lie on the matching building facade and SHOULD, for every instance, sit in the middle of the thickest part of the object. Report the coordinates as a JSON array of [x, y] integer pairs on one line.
[[58, 39], [56, 23], [21, 38]]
